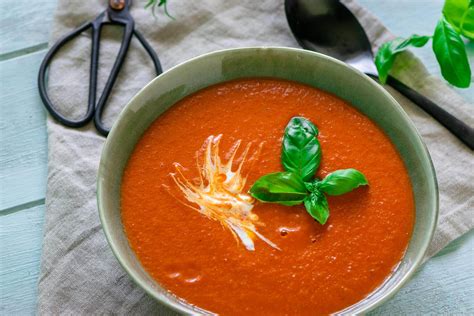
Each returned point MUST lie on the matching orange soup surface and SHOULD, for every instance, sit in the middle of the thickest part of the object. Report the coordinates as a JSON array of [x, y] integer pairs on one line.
[[319, 269]]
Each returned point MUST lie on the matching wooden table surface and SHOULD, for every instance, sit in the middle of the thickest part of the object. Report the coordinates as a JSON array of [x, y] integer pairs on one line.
[[445, 284]]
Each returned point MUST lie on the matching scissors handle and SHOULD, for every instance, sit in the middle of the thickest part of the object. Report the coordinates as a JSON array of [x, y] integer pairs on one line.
[[92, 80], [127, 37], [95, 110]]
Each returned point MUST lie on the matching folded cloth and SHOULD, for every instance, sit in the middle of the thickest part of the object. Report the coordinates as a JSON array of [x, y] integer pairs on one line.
[[79, 273]]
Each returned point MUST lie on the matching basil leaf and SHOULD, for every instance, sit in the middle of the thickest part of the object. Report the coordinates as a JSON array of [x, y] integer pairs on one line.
[[301, 151], [467, 22], [317, 206], [284, 188], [342, 181], [389, 50], [451, 55], [460, 14]]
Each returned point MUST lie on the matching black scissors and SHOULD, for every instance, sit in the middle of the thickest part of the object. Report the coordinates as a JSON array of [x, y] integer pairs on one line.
[[118, 12]]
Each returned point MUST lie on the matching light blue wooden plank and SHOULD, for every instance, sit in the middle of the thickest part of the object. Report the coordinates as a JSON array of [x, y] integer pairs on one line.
[[405, 17], [22, 133], [20, 248], [24, 24]]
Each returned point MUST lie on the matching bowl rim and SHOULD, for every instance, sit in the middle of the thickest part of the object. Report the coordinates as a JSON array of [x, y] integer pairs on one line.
[[416, 262]]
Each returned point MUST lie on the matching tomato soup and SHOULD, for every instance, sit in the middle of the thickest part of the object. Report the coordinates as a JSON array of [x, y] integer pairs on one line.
[[314, 268]]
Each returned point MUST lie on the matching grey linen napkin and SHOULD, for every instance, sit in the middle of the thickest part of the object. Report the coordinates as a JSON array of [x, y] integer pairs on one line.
[[79, 273]]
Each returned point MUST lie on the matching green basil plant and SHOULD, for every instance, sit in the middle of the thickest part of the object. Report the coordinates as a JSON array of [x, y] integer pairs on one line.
[[448, 45]]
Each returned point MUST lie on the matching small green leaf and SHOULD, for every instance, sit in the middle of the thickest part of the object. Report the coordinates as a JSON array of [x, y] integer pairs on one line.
[[460, 14], [342, 181], [389, 50], [301, 151], [317, 206], [450, 52], [156, 4], [281, 187]]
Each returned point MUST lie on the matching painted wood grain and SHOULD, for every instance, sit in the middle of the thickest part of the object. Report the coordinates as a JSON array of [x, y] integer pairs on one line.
[[22, 133], [24, 25], [20, 248]]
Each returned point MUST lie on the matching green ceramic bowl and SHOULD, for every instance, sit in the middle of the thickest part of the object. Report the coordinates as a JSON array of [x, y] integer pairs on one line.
[[298, 65]]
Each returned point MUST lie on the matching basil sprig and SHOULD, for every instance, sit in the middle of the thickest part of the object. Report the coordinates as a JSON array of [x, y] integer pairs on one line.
[[448, 45], [154, 4], [300, 157]]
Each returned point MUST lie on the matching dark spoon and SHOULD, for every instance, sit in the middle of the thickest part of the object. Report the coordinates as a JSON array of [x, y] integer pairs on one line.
[[328, 27]]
